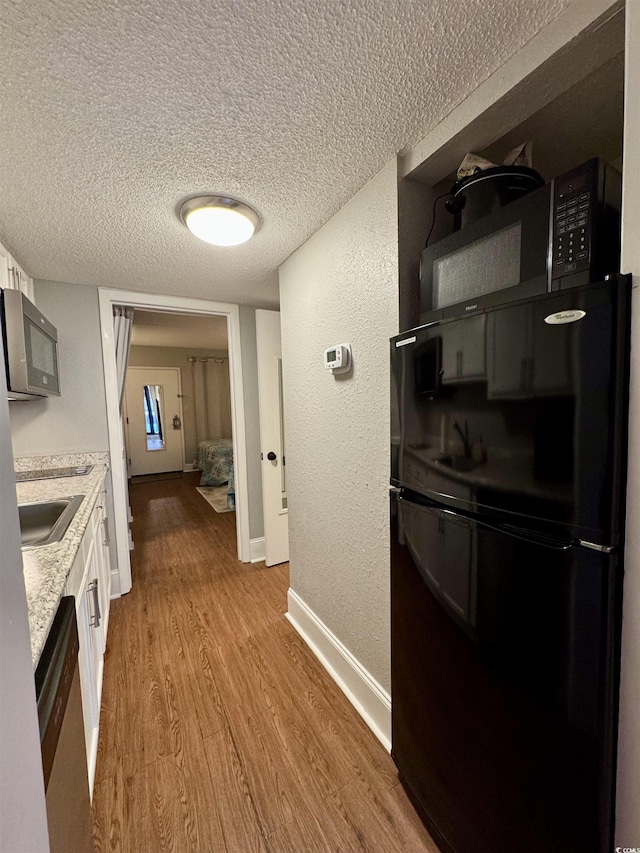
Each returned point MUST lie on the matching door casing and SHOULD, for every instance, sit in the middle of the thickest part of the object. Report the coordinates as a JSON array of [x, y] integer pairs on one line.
[[107, 298], [276, 518]]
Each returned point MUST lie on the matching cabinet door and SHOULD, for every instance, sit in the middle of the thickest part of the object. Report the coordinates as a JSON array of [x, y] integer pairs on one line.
[[88, 672], [13, 277], [508, 351], [6, 279], [26, 286], [464, 350], [473, 351], [455, 582], [553, 355], [441, 547], [103, 564], [451, 352], [424, 539], [95, 582]]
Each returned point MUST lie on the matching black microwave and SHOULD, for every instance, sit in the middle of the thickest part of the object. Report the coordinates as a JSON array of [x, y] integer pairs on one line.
[[564, 234]]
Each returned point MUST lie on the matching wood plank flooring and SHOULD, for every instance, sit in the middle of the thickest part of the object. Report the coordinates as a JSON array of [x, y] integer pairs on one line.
[[219, 729]]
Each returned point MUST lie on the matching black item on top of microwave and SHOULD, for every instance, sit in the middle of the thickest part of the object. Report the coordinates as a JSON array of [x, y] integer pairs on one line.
[[564, 234], [480, 194]]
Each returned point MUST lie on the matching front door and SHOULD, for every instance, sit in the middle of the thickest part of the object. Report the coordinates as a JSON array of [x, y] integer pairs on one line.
[[274, 489], [154, 420]]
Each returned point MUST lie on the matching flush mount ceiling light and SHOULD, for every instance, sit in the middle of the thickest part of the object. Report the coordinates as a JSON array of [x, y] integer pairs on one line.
[[219, 220]]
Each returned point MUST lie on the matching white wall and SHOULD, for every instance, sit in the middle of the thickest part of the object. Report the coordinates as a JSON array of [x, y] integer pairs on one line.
[[77, 420], [23, 821], [342, 287], [628, 791]]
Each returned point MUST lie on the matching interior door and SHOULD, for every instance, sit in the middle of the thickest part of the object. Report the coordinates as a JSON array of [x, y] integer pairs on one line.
[[272, 442], [154, 420]]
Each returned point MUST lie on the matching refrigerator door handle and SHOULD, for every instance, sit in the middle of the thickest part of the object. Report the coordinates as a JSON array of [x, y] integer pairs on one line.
[[506, 530], [603, 549], [528, 536]]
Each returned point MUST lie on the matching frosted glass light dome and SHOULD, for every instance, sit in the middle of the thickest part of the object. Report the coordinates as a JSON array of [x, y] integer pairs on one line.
[[219, 220]]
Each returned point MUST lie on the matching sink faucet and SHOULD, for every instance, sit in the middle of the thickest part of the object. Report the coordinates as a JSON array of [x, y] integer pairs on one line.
[[464, 435]]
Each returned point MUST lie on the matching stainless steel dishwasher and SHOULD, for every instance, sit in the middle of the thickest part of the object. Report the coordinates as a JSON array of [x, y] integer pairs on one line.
[[64, 758]]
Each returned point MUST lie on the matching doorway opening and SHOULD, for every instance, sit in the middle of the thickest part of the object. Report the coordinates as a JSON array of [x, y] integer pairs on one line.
[[170, 312]]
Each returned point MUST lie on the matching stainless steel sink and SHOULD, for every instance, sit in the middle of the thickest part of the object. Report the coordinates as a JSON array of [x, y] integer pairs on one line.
[[45, 522]]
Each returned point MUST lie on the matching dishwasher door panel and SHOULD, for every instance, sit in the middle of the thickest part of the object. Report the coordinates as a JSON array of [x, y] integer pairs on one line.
[[62, 741], [68, 805]]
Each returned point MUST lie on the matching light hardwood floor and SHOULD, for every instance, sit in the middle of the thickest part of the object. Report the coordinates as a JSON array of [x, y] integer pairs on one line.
[[219, 729]]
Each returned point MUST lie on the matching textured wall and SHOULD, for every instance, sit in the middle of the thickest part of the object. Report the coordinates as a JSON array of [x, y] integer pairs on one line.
[[77, 420], [176, 357], [342, 287]]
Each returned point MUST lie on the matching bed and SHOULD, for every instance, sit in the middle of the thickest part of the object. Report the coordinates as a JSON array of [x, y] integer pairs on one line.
[[215, 457]]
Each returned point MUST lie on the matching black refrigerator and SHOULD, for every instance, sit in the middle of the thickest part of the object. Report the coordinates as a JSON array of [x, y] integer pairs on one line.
[[508, 441]]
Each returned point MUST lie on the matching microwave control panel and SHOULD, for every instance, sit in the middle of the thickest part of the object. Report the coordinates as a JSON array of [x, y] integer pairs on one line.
[[585, 224], [573, 213]]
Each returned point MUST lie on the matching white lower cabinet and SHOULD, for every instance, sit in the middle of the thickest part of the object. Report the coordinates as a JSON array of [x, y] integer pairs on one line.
[[89, 582]]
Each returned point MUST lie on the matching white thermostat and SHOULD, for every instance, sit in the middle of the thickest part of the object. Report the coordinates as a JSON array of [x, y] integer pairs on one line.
[[337, 358]]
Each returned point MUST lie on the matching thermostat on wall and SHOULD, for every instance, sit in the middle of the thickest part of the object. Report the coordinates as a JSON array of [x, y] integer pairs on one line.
[[337, 358]]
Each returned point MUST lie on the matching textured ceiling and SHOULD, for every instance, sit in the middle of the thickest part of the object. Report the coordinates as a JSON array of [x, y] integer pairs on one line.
[[155, 329], [113, 111]]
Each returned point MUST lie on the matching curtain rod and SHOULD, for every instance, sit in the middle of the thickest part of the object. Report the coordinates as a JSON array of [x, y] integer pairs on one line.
[[205, 359]]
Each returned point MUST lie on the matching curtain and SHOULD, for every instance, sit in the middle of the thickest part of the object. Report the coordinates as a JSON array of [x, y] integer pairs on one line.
[[122, 323], [212, 398]]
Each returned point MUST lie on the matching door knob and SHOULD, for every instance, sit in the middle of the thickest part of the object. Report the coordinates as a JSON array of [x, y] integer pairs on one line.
[[271, 456]]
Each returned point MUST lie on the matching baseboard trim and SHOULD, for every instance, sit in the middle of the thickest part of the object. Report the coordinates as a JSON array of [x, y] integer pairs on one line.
[[188, 466], [256, 550], [372, 701]]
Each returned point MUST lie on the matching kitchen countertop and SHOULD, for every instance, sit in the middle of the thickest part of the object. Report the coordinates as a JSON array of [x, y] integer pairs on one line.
[[46, 568]]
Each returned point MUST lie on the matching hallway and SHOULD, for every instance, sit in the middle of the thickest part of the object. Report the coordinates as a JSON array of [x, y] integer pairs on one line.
[[219, 730]]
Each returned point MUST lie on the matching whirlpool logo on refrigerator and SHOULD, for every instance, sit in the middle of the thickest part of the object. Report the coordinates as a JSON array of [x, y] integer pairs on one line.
[[564, 317]]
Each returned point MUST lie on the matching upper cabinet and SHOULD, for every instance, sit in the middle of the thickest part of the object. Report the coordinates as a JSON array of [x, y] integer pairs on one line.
[[526, 357], [6, 278], [463, 351], [13, 277]]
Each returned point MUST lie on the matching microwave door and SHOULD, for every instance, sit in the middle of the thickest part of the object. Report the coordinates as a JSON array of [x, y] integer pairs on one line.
[[500, 257], [41, 358]]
